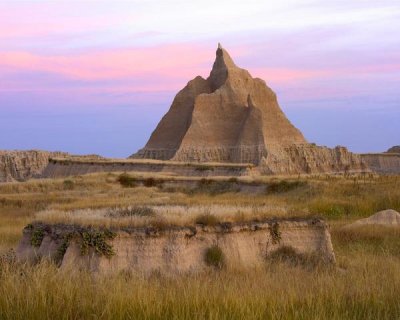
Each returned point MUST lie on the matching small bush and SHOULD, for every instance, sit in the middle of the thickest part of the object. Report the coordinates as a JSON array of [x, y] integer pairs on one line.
[[215, 187], [68, 185], [214, 257], [204, 168], [127, 181], [275, 233], [151, 182], [207, 219], [284, 186], [137, 211]]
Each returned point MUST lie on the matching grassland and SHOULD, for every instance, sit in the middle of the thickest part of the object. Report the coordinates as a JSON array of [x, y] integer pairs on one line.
[[364, 285]]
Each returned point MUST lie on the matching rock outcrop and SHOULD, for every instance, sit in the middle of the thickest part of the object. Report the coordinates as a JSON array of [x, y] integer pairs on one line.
[[385, 218], [383, 163], [311, 159], [394, 149], [232, 117], [174, 250], [23, 165], [228, 117]]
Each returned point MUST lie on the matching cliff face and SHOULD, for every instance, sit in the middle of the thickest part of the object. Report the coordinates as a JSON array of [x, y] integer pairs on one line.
[[228, 117], [181, 250], [22, 165], [308, 158], [385, 163]]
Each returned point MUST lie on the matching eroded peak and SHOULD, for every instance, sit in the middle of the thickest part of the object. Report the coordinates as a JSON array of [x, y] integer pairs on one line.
[[222, 64]]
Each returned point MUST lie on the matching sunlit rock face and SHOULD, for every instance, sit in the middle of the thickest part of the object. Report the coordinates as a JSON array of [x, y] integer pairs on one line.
[[230, 116], [233, 117]]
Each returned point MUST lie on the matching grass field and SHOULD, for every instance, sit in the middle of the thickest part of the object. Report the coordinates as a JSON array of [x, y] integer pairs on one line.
[[365, 284]]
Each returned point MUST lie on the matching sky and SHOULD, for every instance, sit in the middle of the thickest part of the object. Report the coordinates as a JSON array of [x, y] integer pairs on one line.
[[97, 76]]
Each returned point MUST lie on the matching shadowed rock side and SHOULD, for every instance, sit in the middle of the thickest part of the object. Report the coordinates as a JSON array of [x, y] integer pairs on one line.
[[23, 165], [176, 250], [228, 117]]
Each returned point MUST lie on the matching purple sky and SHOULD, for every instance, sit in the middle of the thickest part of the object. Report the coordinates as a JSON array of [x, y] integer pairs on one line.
[[96, 77]]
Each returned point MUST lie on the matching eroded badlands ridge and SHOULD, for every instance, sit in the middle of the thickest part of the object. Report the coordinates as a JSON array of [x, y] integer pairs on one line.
[[233, 117], [173, 249], [23, 165], [228, 117]]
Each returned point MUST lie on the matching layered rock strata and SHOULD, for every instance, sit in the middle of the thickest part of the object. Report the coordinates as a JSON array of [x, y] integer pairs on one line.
[[176, 250], [23, 165], [384, 163]]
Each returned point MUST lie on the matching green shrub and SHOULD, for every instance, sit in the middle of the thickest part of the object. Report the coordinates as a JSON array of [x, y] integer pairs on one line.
[[151, 182], [214, 257], [127, 181], [204, 168], [137, 211], [97, 240], [207, 219], [37, 237], [284, 186], [215, 187], [68, 185]]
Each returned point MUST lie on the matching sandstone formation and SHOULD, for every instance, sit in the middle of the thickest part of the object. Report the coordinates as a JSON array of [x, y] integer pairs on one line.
[[385, 218], [383, 163], [232, 117], [22, 165], [175, 250], [228, 117]]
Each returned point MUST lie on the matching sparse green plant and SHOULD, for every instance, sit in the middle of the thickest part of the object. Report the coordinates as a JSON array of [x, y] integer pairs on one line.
[[213, 187], [275, 233], [206, 219], [204, 168], [37, 237], [68, 185], [142, 211], [97, 240], [151, 182], [284, 186], [64, 246], [214, 257]]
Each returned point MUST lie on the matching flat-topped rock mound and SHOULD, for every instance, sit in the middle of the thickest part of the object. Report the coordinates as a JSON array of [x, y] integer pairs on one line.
[[71, 166], [173, 250], [385, 218]]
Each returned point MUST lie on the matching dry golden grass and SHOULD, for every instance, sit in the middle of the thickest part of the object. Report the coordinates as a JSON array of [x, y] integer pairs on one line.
[[366, 284]]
